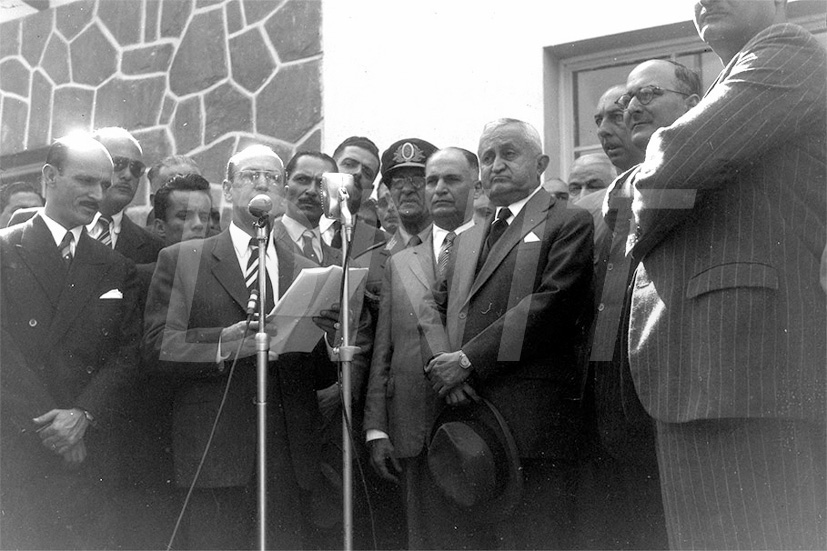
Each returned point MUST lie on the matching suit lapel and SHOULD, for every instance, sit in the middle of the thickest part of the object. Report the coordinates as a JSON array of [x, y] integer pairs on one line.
[[38, 250], [532, 215], [227, 271], [423, 267], [88, 268], [467, 247]]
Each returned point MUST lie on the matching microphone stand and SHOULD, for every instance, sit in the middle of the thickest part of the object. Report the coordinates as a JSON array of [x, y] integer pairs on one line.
[[345, 354], [262, 360]]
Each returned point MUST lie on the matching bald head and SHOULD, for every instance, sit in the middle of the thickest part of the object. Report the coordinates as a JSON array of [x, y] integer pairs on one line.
[[590, 173], [612, 132], [128, 159]]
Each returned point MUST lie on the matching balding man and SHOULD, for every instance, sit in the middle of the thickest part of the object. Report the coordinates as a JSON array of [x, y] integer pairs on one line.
[[590, 174], [195, 324], [728, 322], [71, 331]]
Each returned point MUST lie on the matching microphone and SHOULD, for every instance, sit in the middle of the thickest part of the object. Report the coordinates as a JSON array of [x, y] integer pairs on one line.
[[252, 302], [335, 190], [260, 205]]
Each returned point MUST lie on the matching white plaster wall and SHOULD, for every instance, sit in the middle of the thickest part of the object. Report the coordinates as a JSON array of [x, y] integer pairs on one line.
[[440, 69]]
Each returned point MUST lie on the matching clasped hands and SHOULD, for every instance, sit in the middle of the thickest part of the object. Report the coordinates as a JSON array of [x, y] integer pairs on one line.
[[447, 377], [61, 432]]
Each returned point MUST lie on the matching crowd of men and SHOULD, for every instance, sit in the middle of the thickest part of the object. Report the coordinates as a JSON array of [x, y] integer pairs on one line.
[[634, 359]]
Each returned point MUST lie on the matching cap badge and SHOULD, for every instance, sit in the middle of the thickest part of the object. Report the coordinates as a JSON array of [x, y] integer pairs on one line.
[[408, 153]]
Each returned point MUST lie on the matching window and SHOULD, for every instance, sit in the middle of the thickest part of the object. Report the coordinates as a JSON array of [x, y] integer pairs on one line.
[[576, 75]]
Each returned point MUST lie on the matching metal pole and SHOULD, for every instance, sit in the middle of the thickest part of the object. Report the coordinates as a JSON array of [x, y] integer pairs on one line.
[[345, 358], [262, 360]]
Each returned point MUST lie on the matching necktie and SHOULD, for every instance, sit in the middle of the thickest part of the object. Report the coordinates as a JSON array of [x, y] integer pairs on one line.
[[66, 248], [336, 242], [414, 241], [444, 255], [307, 247], [105, 236], [497, 229], [251, 275]]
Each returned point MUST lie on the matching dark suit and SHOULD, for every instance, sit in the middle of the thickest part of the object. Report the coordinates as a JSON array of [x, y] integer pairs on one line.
[[728, 321], [197, 290], [330, 256], [64, 346], [134, 242], [518, 321]]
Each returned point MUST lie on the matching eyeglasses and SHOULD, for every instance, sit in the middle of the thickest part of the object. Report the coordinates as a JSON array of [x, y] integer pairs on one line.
[[137, 168], [252, 176], [645, 95], [398, 182]]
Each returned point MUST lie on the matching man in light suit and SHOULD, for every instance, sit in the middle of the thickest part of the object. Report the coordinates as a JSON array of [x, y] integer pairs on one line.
[[517, 297], [71, 332], [728, 323], [195, 322], [401, 405]]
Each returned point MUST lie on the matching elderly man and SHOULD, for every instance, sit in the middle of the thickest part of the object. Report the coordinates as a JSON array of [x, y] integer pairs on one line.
[[15, 196], [71, 331], [590, 174], [398, 421], [403, 171], [515, 300], [726, 338], [195, 324]]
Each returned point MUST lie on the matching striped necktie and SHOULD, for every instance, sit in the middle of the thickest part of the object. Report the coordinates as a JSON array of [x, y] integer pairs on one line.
[[105, 236], [444, 255], [251, 275], [66, 248]]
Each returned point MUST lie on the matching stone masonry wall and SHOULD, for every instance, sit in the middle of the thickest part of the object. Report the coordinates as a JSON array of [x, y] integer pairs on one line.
[[195, 77]]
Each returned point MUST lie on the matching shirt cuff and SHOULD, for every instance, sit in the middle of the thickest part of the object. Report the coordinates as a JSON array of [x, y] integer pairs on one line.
[[373, 434]]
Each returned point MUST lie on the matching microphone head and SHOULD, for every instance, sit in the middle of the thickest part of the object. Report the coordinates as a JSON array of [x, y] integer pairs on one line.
[[332, 182], [260, 205]]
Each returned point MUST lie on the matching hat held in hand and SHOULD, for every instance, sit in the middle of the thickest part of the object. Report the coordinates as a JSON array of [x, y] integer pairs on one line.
[[473, 460]]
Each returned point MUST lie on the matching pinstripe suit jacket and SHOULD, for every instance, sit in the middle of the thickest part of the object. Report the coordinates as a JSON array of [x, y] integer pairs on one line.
[[728, 319]]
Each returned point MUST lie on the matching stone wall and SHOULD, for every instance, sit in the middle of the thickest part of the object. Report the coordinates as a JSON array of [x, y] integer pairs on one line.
[[195, 77]]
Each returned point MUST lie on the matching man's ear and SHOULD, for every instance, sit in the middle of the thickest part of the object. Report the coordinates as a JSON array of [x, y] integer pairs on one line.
[[49, 174], [542, 164], [692, 101], [226, 187], [159, 228], [478, 191]]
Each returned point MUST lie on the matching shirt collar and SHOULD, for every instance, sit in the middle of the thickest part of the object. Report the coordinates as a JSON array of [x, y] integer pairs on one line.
[[517, 206], [58, 231], [440, 233], [117, 220], [296, 229], [406, 237]]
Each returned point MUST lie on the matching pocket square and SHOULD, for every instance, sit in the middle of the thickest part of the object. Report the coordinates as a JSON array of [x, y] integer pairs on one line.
[[531, 238], [114, 293]]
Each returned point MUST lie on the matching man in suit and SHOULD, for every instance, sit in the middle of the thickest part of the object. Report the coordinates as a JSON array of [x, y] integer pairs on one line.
[[195, 324], [401, 405], [728, 323], [111, 226], [515, 303], [590, 174], [403, 171], [71, 332], [15, 196]]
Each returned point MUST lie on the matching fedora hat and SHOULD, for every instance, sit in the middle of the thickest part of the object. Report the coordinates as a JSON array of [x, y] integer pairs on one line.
[[473, 460]]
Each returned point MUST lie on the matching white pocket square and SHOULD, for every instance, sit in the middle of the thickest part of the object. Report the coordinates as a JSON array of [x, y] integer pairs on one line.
[[531, 238], [114, 293]]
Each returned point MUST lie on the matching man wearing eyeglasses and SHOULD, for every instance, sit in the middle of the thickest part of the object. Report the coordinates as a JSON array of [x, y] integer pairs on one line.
[[727, 332], [195, 322], [110, 226], [403, 171]]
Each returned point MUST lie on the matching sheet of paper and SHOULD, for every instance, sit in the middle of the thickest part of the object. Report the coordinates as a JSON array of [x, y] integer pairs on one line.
[[314, 290]]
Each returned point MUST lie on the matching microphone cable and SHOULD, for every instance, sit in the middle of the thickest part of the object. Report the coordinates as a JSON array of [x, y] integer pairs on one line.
[[215, 423]]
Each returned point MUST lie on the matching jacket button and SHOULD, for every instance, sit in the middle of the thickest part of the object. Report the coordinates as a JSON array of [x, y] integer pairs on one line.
[[32, 322], [601, 307], [462, 315], [90, 369], [610, 266]]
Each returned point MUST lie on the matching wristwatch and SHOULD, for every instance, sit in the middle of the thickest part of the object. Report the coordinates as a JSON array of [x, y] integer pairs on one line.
[[464, 362]]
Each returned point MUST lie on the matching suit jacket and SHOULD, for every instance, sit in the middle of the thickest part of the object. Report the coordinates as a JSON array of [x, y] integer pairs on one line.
[[134, 242], [400, 400], [197, 290], [728, 319], [397, 242], [64, 345], [521, 319]]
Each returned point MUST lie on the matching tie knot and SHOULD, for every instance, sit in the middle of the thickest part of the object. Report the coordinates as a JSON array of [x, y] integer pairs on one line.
[[414, 241], [308, 234], [105, 219], [449, 239], [67, 239], [503, 215], [253, 244]]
